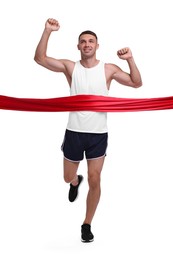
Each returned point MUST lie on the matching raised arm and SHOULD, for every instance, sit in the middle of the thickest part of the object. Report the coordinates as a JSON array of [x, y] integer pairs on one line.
[[57, 65], [133, 78]]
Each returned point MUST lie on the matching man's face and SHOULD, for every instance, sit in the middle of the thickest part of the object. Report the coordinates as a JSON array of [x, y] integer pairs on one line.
[[87, 45]]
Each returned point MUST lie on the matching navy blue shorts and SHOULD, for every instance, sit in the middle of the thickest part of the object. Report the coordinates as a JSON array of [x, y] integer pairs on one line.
[[76, 144]]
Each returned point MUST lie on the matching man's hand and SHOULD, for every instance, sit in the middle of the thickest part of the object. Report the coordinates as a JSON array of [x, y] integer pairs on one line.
[[124, 53], [52, 24]]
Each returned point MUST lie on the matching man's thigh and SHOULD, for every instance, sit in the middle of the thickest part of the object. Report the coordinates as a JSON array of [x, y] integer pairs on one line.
[[70, 169], [95, 166]]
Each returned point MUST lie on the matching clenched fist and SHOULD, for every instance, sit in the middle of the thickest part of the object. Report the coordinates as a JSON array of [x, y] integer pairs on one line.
[[124, 53], [52, 24]]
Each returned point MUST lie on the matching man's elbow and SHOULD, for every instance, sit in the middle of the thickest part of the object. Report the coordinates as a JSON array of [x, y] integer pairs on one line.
[[138, 84], [37, 59], [40, 59]]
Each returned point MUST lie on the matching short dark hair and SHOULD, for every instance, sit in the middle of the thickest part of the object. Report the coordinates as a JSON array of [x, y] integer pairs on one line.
[[87, 32]]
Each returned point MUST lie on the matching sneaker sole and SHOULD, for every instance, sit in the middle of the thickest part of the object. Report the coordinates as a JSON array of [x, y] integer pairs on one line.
[[87, 241]]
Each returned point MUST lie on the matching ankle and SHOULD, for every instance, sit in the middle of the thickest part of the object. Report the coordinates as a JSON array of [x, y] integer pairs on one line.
[[75, 181]]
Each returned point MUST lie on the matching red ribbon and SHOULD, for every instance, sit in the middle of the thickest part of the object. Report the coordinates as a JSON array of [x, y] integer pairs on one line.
[[86, 103]]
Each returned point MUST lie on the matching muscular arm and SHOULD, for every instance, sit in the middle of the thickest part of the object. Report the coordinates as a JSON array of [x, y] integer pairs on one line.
[[57, 65], [132, 79]]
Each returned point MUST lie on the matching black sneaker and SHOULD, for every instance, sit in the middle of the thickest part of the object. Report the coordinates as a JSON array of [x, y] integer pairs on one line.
[[86, 234], [73, 192]]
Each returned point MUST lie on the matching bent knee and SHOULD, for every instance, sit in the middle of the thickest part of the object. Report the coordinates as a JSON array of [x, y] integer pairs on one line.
[[69, 177]]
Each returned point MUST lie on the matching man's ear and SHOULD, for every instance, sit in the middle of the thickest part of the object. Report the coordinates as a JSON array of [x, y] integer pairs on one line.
[[97, 46], [78, 47]]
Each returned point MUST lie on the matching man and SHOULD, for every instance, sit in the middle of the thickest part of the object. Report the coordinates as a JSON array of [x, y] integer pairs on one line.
[[86, 131]]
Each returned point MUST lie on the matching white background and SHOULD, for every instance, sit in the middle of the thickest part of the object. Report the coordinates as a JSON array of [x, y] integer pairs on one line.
[[134, 217]]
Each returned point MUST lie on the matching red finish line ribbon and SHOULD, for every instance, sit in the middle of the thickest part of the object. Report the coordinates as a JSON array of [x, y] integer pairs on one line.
[[86, 103]]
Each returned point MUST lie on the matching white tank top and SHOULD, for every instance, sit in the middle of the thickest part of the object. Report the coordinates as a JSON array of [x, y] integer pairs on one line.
[[91, 81]]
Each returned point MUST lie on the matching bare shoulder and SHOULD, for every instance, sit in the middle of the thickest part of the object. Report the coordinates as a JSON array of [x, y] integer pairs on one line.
[[110, 70], [69, 65]]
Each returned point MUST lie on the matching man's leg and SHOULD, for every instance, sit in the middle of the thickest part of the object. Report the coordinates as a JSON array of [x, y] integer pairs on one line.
[[70, 176], [94, 171], [70, 172]]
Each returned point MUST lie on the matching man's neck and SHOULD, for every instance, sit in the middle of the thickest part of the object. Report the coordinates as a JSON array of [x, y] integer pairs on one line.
[[89, 63]]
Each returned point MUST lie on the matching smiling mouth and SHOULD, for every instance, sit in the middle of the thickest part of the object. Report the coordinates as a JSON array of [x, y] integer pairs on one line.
[[87, 50]]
